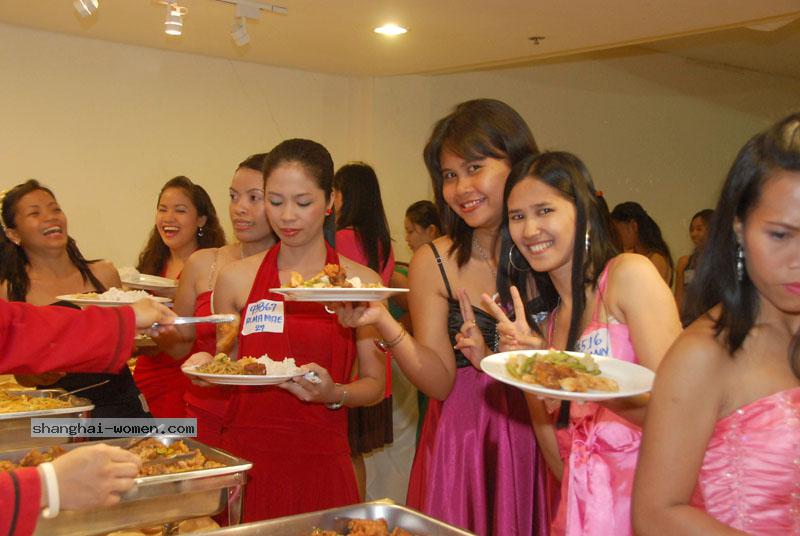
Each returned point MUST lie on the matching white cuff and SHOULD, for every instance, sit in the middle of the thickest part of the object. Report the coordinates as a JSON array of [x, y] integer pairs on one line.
[[51, 483]]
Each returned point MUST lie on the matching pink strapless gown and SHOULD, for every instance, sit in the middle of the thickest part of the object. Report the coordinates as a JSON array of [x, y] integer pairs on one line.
[[750, 478]]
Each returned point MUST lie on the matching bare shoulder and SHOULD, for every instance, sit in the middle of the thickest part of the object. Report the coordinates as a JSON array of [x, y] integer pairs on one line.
[[201, 258], [106, 272], [241, 271], [682, 263], [424, 258], [627, 268], [698, 357], [352, 268]]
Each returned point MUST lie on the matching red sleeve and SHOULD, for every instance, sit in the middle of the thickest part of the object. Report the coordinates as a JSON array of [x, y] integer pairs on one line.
[[20, 496], [40, 339]]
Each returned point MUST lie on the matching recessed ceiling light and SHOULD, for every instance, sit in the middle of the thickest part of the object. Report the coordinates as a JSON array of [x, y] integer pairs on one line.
[[390, 29]]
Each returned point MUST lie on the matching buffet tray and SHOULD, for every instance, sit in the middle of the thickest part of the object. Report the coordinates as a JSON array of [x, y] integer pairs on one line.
[[15, 428], [302, 524], [157, 499]]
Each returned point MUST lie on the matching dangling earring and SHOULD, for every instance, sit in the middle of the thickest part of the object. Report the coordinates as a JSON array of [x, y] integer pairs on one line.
[[587, 242], [740, 262], [328, 211], [511, 260], [200, 232]]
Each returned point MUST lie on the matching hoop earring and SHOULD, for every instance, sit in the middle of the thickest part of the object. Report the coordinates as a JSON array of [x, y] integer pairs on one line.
[[587, 243], [200, 232], [739, 263], [511, 260]]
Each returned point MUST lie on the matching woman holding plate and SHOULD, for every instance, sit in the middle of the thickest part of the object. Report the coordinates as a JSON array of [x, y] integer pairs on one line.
[[254, 236], [721, 449], [295, 434], [558, 240], [41, 262], [185, 221]]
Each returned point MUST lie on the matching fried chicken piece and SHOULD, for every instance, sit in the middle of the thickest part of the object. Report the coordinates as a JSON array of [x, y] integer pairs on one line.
[[226, 335], [256, 369], [368, 527], [336, 275], [295, 280], [550, 375]]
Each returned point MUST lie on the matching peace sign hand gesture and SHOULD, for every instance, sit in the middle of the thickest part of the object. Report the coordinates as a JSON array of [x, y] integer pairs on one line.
[[516, 335], [469, 338]]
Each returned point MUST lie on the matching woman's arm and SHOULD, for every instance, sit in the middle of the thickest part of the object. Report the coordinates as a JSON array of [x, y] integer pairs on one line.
[[683, 410], [639, 298], [545, 431]]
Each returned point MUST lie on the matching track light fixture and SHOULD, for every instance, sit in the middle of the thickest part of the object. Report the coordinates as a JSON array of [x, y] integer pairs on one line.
[[173, 24], [85, 7]]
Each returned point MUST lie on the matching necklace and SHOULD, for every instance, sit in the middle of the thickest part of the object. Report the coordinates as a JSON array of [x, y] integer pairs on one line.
[[483, 254]]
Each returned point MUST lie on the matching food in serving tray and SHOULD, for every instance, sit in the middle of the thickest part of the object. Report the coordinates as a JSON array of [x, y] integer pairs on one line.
[[10, 403], [261, 366], [151, 452], [559, 370], [332, 276], [365, 527]]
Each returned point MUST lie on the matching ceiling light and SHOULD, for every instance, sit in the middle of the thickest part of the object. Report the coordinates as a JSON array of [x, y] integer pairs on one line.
[[239, 32], [85, 7], [173, 24], [390, 29]]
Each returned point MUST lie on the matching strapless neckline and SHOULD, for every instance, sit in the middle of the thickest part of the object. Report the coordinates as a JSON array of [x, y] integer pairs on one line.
[[743, 408]]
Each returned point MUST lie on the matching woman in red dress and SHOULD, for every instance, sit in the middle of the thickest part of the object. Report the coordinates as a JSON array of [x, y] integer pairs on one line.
[[193, 297], [185, 221], [295, 434]]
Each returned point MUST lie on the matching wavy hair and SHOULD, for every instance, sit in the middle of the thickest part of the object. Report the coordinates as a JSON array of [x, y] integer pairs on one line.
[[153, 258], [717, 282], [13, 269], [481, 128]]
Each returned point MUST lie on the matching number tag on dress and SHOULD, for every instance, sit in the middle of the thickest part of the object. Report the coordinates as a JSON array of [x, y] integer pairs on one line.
[[264, 316], [595, 342]]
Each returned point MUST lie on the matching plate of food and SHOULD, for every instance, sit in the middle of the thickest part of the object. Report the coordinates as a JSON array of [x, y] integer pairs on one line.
[[333, 285], [569, 375], [111, 298], [222, 370], [131, 278]]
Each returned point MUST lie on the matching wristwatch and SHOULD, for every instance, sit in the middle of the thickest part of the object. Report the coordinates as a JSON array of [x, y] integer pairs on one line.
[[340, 403]]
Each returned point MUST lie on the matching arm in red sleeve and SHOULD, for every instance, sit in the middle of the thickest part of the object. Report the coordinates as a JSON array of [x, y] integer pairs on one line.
[[40, 339], [20, 497]]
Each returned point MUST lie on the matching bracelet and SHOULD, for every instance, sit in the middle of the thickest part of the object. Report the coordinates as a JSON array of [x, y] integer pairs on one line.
[[51, 482], [384, 345], [340, 403]]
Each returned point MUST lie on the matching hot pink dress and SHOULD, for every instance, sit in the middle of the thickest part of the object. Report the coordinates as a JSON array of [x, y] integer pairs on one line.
[[599, 448], [750, 478]]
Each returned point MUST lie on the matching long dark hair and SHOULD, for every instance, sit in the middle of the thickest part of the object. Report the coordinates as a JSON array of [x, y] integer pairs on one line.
[[649, 233], [424, 213], [13, 269], [153, 258], [317, 162], [481, 128], [566, 173], [717, 281], [362, 209]]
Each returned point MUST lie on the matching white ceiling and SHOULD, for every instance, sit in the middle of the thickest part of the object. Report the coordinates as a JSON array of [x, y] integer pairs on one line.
[[335, 36]]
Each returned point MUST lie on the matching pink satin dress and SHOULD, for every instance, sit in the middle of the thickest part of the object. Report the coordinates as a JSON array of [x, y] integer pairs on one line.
[[750, 478], [599, 448]]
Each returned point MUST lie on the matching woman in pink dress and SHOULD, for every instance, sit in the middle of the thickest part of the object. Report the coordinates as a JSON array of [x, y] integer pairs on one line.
[[598, 302], [721, 450]]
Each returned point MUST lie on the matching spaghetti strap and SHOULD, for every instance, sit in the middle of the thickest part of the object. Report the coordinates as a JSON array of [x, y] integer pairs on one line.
[[213, 270], [601, 290], [441, 269]]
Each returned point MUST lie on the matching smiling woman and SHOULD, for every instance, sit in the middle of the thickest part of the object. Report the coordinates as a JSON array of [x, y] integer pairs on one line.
[[40, 261]]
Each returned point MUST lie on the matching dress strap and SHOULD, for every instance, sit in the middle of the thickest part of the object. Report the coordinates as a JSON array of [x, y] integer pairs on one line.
[[441, 269], [213, 270], [602, 283]]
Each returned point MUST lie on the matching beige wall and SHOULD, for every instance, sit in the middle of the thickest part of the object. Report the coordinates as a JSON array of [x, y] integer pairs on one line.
[[106, 125]]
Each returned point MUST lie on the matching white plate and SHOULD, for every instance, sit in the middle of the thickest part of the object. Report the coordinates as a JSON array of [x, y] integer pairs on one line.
[[338, 294], [240, 379], [150, 282], [79, 299], [632, 379]]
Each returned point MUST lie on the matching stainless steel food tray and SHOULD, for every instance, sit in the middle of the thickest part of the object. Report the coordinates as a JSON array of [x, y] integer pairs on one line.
[[15, 428], [157, 499], [301, 525]]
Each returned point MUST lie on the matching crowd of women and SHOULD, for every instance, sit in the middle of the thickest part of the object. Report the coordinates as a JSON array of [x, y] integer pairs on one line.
[[519, 251]]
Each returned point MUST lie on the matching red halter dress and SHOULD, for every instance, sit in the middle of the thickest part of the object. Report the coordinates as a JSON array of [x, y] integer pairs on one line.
[[299, 450]]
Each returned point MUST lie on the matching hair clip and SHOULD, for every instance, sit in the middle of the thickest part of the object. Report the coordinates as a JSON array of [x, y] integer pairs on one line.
[[599, 193]]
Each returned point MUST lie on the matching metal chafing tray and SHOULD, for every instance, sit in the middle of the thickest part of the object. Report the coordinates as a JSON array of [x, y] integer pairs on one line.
[[157, 499], [302, 525], [15, 428]]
